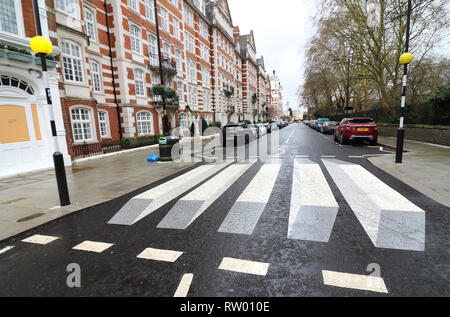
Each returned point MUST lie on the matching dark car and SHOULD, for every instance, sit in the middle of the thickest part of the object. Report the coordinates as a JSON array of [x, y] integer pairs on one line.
[[351, 129], [328, 127], [257, 128]]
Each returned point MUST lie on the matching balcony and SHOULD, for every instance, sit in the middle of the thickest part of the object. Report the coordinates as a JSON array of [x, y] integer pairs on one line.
[[169, 66], [228, 91]]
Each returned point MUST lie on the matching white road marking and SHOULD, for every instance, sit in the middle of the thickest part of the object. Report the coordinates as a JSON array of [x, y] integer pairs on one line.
[[93, 246], [313, 207], [6, 249], [390, 220], [287, 141], [354, 281], [185, 284], [244, 266], [356, 156], [192, 206], [146, 203], [328, 156], [302, 156], [160, 255], [40, 239], [248, 208]]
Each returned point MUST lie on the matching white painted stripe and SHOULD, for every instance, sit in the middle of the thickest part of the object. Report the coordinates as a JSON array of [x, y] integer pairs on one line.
[[403, 101], [404, 80], [6, 249], [146, 203], [390, 220], [40, 239], [302, 156], [355, 156], [244, 266], [185, 284], [92, 246], [248, 208], [160, 255], [191, 206], [313, 207], [328, 156], [354, 281]]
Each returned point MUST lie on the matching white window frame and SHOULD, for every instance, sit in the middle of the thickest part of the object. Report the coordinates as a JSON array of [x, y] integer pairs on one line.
[[97, 74], [150, 10], [164, 19], [176, 28], [153, 49], [133, 5], [139, 122], [64, 5], [180, 91], [90, 121], [19, 20], [105, 123], [135, 40], [178, 59], [87, 12], [73, 59], [182, 114], [139, 82]]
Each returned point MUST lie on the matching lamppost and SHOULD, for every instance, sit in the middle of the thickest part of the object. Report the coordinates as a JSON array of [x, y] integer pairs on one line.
[[405, 59], [42, 47]]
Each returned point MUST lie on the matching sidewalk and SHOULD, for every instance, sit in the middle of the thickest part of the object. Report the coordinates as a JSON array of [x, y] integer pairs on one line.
[[32, 199], [426, 167]]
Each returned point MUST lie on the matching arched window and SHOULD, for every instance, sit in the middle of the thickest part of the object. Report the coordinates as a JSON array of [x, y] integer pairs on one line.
[[144, 122], [135, 39], [89, 19], [103, 123], [182, 119], [96, 76], [72, 60], [139, 82], [82, 124], [10, 81]]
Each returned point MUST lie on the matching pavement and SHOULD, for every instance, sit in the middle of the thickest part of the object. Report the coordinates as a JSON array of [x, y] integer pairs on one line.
[[31, 199], [425, 167], [316, 219]]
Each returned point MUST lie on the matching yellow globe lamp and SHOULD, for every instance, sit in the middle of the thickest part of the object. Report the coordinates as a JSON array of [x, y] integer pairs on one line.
[[406, 58], [40, 45]]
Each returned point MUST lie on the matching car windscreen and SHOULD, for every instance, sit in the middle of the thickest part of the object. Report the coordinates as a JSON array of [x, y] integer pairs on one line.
[[361, 121]]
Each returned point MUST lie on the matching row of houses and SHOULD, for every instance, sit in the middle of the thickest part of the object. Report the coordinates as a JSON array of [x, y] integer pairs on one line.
[[102, 69]]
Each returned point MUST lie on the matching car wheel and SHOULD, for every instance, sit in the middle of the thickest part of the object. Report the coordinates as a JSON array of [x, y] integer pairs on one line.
[[342, 140]]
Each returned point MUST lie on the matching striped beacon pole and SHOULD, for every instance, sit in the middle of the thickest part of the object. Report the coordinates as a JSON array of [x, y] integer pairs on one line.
[[405, 59], [42, 47]]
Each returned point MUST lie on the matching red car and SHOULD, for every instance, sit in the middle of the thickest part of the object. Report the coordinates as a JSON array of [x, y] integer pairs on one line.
[[351, 129]]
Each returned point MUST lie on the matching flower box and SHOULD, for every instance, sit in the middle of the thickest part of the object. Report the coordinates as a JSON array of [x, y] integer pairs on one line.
[[19, 57], [49, 62], [2, 53]]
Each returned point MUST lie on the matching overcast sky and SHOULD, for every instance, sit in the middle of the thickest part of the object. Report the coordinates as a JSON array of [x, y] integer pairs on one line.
[[282, 29]]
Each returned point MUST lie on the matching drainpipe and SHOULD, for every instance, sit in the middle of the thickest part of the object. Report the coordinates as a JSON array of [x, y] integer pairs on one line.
[[112, 70]]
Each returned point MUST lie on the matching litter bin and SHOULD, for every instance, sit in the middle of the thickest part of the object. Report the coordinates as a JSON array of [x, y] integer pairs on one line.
[[165, 147]]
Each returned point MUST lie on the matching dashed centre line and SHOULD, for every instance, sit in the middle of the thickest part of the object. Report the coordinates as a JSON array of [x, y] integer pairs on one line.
[[40, 239], [160, 255], [93, 246], [244, 266], [354, 281]]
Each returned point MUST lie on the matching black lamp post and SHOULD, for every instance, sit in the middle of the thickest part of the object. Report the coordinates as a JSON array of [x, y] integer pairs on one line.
[[58, 158], [405, 59]]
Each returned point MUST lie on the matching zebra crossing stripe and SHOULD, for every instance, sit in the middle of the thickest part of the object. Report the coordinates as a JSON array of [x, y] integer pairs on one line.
[[93, 246], [191, 206], [313, 206], [160, 255], [244, 266], [144, 204], [390, 220], [248, 208], [354, 281], [183, 287], [40, 239]]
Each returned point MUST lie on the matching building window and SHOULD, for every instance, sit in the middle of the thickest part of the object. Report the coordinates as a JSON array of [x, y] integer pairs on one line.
[[164, 20], [180, 91], [152, 50], [8, 16], [135, 39], [182, 119], [89, 19], [81, 124], [139, 82], [166, 51], [103, 123], [150, 10], [191, 44], [67, 6], [133, 4], [178, 59], [144, 123], [96, 77], [176, 29], [72, 61]]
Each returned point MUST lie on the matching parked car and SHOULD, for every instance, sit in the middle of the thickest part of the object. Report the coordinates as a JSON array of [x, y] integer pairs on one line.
[[238, 131], [268, 127], [259, 128], [328, 127], [262, 129], [320, 122], [351, 129], [313, 124]]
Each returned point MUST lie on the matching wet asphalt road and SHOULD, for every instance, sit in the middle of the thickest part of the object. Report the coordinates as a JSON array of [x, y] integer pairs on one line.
[[295, 266]]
